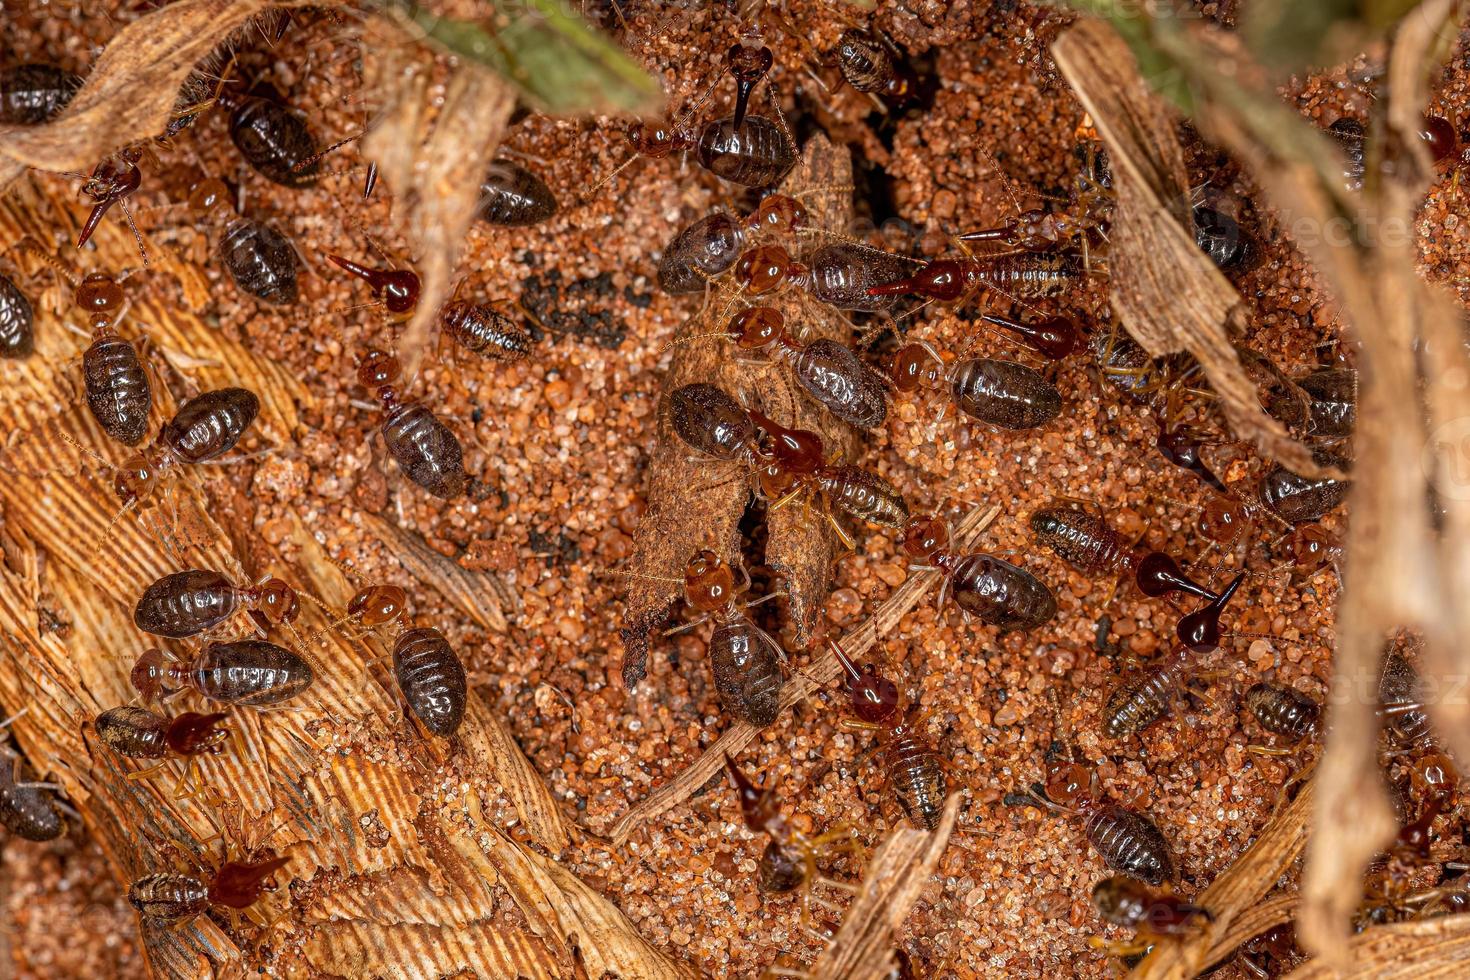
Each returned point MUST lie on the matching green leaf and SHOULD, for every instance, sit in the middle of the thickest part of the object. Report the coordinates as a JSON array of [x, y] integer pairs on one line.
[[557, 62], [1139, 29]]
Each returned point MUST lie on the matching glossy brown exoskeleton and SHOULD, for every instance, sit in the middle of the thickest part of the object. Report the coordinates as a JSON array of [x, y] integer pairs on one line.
[[995, 591], [272, 138], [28, 810], [756, 153], [1126, 840], [828, 371], [119, 393], [869, 64], [260, 259], [245, 672], [745, 659], [1016, 275], [1349, 135], [789, 861], [425, 449], [484, 331], [1300, 499], [1003, 393], [1220, 237], [142, 734], [34, 93], [171, 897], [17, 321], [398, 289], [1283, 710], [112, 182], [844, 275], [511, 195], [1323, 403], [914, 769], [747, 62], [204, 428], [710, 246], [709, 421], [195, 601], [1151, 912], [1087, 542], [1146, 695], [1183, 446]]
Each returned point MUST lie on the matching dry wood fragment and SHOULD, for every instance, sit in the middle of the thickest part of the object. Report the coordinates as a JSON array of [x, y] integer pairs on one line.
[[1234, 898], [693, 504], [1427, 950], [818, 674], [892, 881], [1166, 291]]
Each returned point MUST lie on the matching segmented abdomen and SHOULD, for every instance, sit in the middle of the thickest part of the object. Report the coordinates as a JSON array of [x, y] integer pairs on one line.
[[839, 379], [431, 678], [425, 449], [207, 426], [186, 603], [134, 732], [1000, 593], [917, 778], [1080, 538], [843, 272], [118, 392], [1029, 275], [863, 495], [1140, 700], [758, 154], [747, 671], [481, 330], [169, 897], [1129, 842], [1283, 710], [261, 260], [250, 672], [1004, 393]]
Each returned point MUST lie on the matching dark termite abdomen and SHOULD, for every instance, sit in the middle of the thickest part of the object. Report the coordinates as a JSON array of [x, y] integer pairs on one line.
[[431, 678]]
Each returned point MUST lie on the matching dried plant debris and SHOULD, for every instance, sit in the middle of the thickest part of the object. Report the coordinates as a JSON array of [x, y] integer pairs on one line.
[[892, 882], [1234, 899], [1433, 948], [130, 93], [822, 672], [1166, 291], [695, 503]]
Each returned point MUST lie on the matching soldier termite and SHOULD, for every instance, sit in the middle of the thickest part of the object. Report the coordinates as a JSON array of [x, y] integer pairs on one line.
[[261, 260], [511, 195], [28, 810], [170, 897], [197, 600], [789, 862], [398, 289], [17, 321], [113, 181], [914, 769], [745, 660], [993, 590], [425, 449], [1003, 393], [1152, 913], [138, 733], [35, 93]]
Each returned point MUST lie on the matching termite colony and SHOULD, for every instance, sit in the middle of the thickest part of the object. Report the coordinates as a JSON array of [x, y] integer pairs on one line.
[[1142, 603]]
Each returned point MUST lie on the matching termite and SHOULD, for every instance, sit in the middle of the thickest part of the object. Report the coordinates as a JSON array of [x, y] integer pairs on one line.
[[1024, 275], [1087, 542], [170, 897], [252, 673], [1152, 913], [1126, 840], [260, 259], [196, 600], [138, 733], [789, 861], [29, 810], [1283, 710], [112, 182], [914, 769], [1007, 394], [425, 449], [710, 246], [272, 138], [1323, 403], [203, 429], [17, 322], [870, 64], [513, 196], [993, 590], [1300, 499], [744, 659], [35, 93]]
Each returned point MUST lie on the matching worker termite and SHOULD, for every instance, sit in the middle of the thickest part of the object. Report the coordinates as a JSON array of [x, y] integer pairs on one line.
[[272, 138], [29, 810], [428, 671], [425, 449], [34, 93], [17, 322], [1147, 695], [1007, 394], [1401, 697], [485, 331], [1323, 403], [870, 64], [710, 246], [828, 371], [789, 861], [203, 429], [914, 769], [1126, 840], [513, 196], [195, 601], [1221, 238], [1299, 499], [1283, 710], [260, 259], [1152, 913], [993, 590], [253, 673], [745, 660]]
